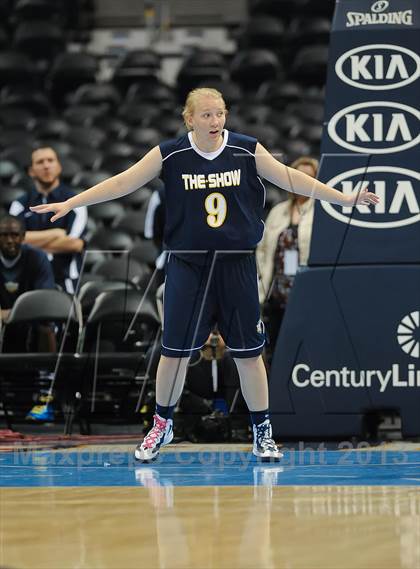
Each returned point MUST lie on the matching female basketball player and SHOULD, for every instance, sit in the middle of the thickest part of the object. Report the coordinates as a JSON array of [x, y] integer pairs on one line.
[[214, 202]]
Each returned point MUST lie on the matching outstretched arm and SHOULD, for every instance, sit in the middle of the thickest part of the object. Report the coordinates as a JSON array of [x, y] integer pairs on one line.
[[299, 183], [120, 185]]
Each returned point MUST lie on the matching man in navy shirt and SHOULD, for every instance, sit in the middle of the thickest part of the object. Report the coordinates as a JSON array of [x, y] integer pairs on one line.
[[64, 248], [214, 200], [22, 267]]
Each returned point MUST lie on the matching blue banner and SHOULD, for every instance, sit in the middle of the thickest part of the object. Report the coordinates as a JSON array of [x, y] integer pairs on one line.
[[349, 343], [371, 134]]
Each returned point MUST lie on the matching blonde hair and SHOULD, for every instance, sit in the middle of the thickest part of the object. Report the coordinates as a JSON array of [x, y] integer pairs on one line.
[[306, 161], [192, 99]]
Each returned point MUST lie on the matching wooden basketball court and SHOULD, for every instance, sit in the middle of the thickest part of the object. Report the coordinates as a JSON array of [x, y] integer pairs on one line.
[[209, 507]]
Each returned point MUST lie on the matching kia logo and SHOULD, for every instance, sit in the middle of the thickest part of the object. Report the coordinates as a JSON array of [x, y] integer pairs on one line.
[[380, 6], [378, 67], [378, 132], [399, 205]]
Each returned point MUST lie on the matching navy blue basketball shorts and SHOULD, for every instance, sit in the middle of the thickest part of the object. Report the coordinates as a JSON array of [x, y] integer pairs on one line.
[[197, 297]]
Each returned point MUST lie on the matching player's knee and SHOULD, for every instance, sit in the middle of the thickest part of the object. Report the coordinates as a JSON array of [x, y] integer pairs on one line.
[[174, 362], [252, 361]]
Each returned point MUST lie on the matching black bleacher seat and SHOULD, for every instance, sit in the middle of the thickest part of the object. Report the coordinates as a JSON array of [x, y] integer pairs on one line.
[[90, 291], [278, 95], [288, 124], [144, 59], [145, 251], [126, 319], [46, 306], [120, 149], [9, 194], [200, 67], [309, 112], [120, 329], [106, 212], [117, 161], [232, 93], [157, 93], [16, 69], [4, 37], [266, 134], [114, 127], [17, 117], [88, 158], [250, 68], [25, 10], [84, 136], [296, 148], [321, 9], [308, 31], [34, 101], [137, 199], [169, 124], [24, 371], [5, 6], [83, 115], [313, 134], [254, 113], [7, 170], [70, 166], [14, 137], [273, 196], [22, 180], [117, 164], [96, 94], [146, 137], [91, 257], [39, 39], [284, 9], [51, 128], [235, 122], [125, 268], [309, 66], [143, 114], [263, 31], [155, 184], [68, 71], [136, 66], [21, 154], [105, 240], [87, 178], [132, 223]]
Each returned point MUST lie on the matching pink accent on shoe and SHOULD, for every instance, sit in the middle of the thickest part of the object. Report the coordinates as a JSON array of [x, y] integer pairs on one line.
[[155, 433]]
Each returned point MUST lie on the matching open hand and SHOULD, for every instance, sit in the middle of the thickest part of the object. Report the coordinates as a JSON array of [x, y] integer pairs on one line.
[[364, 197], [60, 209]]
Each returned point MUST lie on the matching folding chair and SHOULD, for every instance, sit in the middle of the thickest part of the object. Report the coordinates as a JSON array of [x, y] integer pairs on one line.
[[121, 328], [24, 373]]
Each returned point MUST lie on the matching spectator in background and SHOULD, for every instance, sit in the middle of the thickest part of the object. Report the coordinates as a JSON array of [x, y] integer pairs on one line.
[[284, 246], [64, 249], [22, 267]]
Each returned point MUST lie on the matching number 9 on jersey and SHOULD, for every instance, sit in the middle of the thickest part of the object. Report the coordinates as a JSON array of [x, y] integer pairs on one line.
[[216, 207]]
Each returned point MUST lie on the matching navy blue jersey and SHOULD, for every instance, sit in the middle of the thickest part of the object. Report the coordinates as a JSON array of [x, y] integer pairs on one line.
[[214, 201], [65, 266], [31, 271]]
